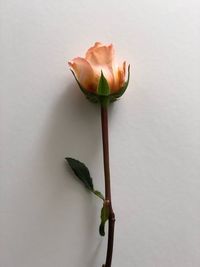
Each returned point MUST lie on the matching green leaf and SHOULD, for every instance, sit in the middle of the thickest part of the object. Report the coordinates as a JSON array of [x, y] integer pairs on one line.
[[103, 86], [105, 211], [98, 194], [82, 172], [114, 96]]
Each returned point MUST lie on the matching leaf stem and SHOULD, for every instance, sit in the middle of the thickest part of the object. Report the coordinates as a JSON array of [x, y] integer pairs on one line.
[[108, 199]]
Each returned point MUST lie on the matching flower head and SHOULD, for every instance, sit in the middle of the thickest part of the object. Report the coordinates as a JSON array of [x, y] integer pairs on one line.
[[99, 63]]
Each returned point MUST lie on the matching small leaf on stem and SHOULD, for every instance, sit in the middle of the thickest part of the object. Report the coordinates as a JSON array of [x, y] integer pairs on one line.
[[82, 172], [105, 212]]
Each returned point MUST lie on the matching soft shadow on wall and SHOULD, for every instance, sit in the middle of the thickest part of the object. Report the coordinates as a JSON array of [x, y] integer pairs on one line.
[[73, 128]]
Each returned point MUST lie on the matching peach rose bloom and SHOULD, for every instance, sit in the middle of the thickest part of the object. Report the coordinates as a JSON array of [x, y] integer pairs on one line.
[[99, 58]]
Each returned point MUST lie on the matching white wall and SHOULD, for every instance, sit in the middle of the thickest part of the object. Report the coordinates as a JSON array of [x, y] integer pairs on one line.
[[47, 218]]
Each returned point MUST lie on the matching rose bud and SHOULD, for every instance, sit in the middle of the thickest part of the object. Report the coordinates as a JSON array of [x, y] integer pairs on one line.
[[98, 75]]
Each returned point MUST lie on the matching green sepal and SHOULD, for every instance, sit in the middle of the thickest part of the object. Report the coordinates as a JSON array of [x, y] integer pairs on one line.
[[103, 95], [103, 86], [105, 212], [83, 174], [113, 97]]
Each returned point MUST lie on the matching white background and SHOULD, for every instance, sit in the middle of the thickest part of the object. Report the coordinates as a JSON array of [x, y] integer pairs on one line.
[[47, 218]]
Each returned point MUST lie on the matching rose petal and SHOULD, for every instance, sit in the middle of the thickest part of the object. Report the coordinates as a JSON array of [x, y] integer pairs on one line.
[[107, 73], [122, 74], [83, 72], [100, 55], [101, 58], [119, 76], [97, 44]]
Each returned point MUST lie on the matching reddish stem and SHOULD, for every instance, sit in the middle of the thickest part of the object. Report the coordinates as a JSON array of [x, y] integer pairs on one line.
[[111, 222]]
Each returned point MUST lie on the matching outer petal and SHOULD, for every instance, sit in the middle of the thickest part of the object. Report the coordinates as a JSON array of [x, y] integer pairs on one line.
[[100, 55], [107, 72], [122, 74], [101, 58], [83, 72], [119, 77], [97, 44]]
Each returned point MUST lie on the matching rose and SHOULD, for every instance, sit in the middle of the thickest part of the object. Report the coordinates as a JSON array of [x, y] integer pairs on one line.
[[102, 81], [99, 65]]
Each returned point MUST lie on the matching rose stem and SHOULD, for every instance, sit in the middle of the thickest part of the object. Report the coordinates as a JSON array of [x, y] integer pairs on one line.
[[108, 200]]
